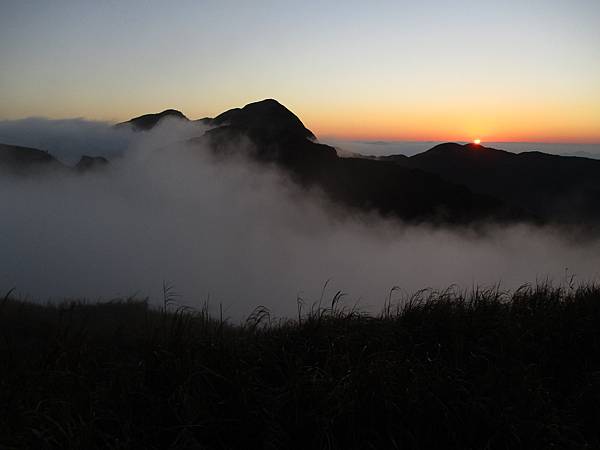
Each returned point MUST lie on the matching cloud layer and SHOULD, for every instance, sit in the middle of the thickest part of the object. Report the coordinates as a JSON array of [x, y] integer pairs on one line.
[[239, 233]]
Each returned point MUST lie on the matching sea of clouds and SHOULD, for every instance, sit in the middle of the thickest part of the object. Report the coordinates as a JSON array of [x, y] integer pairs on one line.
[[233, 231]]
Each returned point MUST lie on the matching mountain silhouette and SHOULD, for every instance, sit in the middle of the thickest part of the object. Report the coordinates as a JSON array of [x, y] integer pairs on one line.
[[267, 120], [549, 186], [278, 136], [149, 121], [26, 160], [450, 183], [19, 160]]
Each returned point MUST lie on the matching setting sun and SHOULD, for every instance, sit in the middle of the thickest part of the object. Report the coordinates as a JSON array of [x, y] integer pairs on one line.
[[476, 141]]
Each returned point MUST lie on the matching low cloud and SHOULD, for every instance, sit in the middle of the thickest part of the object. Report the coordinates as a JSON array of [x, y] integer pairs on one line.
[[240, 234], [69, 139]]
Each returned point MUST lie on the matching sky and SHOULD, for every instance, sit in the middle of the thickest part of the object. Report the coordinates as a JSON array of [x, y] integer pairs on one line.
[[418, 71]]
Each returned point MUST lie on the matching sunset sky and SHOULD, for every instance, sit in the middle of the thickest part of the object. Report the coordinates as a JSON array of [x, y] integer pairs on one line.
[[430, 70]]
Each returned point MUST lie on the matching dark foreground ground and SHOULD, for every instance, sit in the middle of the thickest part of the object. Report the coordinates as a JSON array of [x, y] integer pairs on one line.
[[447, 371]]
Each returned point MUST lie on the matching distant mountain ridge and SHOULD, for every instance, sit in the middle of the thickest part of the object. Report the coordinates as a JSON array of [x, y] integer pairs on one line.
[[278, 136], [18, 160], [148, 121], [448, 183], [547, 185], [267, 117]]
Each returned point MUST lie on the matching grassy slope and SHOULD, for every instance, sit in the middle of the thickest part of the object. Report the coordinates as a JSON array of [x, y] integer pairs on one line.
[[445, 371]]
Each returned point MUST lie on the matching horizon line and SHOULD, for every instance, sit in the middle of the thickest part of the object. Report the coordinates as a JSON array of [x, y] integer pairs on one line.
[[368, 139]]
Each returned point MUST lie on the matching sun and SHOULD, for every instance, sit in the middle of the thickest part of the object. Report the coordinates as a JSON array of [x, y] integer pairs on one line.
[[476, 141]]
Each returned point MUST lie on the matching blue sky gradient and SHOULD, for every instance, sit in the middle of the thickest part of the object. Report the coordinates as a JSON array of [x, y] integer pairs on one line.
[[438, 70]]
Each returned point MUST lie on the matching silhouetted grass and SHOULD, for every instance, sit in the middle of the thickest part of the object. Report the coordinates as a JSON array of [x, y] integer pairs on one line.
[[442, 370]]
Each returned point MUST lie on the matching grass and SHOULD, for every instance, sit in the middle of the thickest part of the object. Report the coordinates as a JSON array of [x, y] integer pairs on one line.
[[445, 370]]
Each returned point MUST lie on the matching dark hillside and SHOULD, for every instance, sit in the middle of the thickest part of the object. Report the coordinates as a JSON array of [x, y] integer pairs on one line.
[[278, 136], [556, 188], [444, 371], [25, 160], [149, 121]]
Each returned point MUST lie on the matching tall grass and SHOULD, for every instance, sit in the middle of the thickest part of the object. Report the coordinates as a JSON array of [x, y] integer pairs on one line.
[[451, 370]]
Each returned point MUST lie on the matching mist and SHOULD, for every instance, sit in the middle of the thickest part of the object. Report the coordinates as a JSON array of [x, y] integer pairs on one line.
[[237, 233], [68, 139]]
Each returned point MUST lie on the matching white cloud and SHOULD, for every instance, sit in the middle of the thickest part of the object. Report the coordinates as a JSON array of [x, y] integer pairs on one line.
[[241, 234]]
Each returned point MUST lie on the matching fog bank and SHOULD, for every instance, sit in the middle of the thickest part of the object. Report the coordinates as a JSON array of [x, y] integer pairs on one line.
[[243, 235]]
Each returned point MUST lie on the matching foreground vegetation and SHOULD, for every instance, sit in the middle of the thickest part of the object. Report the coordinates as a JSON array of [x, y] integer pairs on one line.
[[440, 370]]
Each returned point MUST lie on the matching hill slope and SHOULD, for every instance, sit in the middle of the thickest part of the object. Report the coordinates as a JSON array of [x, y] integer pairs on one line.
[[25, 160], [552, 187], [279, 137], [149, 121], [449, 183], [446, 371]]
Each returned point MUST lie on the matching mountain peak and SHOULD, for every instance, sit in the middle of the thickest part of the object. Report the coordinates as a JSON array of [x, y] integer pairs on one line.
[[453, 146], [266, 117], [149, 121], [445, 147], [18, 158]]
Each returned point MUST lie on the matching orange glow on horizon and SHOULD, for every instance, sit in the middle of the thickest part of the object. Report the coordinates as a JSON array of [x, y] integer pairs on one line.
[[350, 134], [491, 119], [425, 123]]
